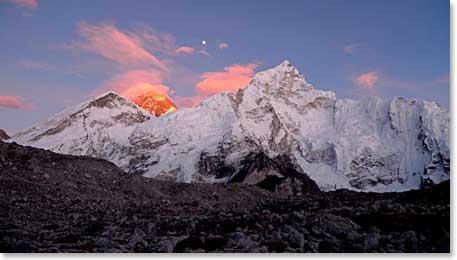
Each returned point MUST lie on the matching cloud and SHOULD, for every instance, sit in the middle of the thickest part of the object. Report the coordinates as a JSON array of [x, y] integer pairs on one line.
[[444, 79], [30, 4], [349, 49], [147, 56], [35, 65], [188, 101], [230, 79], [108, 41], [204, 52], [185, 49], [373, 83], [148, 60], [133, 83], [181, 75], [154, 40], [223, 45], [13, 102], [367, 80]]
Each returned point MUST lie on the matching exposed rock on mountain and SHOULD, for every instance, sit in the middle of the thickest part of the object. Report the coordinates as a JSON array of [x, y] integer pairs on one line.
[[277, 174], [370, 144], [3, 135], [155, 104]]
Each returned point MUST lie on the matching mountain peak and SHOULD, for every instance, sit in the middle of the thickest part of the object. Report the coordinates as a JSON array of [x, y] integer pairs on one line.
[[283, 77], [286, 66], [152, 102], [155, 103], [3, 135], [109, 95], [284, 69], [285, 62], [108, 99], [107, 111]]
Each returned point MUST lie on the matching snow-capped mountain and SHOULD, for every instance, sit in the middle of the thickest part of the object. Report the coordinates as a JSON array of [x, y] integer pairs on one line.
[[370, 144], [99, 127]]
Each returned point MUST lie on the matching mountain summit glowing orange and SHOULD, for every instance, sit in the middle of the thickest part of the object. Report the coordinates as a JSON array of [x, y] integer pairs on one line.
[[155, 104]]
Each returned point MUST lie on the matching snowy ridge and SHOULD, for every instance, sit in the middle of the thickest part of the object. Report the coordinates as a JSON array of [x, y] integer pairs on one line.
[[370, 144], [98, 127]]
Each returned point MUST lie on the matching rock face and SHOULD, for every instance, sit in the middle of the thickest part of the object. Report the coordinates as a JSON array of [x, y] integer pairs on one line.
[[277, 175], [3, 135], [62, 203], [369, 145], [155, 104]]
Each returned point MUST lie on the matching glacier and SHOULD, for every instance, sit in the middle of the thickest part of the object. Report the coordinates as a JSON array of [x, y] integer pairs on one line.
[[372, 144]]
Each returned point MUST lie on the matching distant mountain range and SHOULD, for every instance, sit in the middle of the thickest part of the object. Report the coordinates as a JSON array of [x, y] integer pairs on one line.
[[278, 126]]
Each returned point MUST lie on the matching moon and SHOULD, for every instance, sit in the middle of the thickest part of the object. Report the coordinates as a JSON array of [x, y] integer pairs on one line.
[[204, 42]]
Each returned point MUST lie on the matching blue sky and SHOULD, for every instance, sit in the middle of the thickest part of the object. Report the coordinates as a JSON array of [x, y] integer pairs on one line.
[[55, 54]]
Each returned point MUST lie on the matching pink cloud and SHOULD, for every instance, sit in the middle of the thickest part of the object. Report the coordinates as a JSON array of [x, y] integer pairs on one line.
[[367, 80], [108, 41], [204, 52], [230, 79], [185, 49], [133, 83], [188, 101], [223, 45], [444, 79], [35, 65], [30, 4], [139, 51], [14, 102], [154, 40], [349, 49]]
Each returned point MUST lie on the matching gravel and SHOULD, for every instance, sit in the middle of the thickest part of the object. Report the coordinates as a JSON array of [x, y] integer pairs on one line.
[[60, 203]]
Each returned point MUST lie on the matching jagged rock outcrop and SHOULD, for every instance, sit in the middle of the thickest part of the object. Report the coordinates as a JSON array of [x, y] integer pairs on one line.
[[274, 174], [3, 135]]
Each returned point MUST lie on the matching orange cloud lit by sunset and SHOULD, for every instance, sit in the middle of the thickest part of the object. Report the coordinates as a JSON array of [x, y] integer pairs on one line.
[[13, 102], [367, 80], [144, 72], [133, 83], [223, 45], [185, 49], [108, 41], [230, 79], [30, 4]]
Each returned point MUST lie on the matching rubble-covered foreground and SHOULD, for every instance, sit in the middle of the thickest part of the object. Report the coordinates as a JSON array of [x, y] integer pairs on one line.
[[60, 203]]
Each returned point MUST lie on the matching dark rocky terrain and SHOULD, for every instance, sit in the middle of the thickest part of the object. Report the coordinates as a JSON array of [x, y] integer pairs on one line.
[[59, 203]]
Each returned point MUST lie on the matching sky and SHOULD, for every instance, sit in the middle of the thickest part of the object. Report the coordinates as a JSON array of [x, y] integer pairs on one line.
[[55, 54]]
